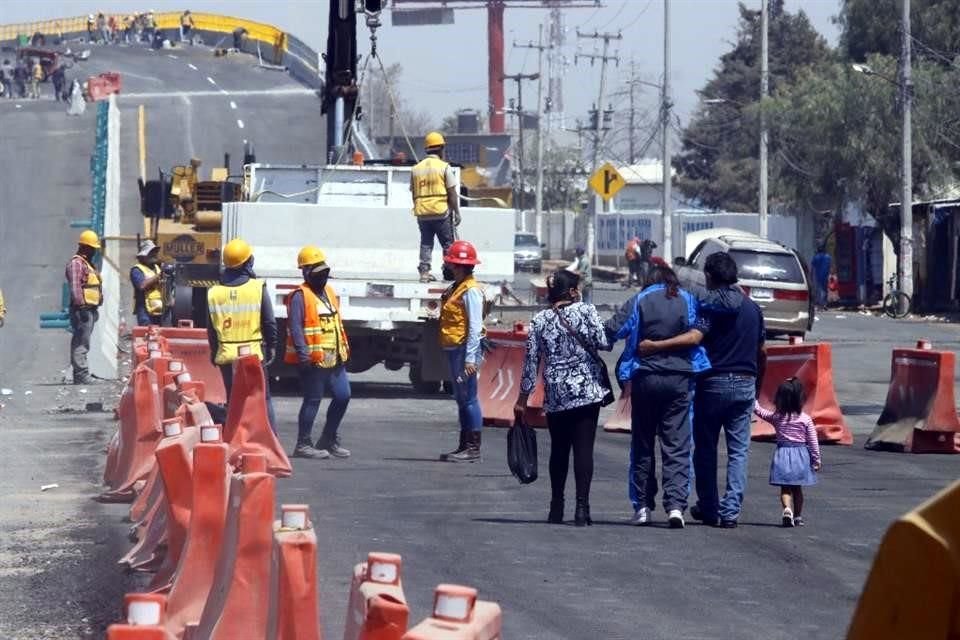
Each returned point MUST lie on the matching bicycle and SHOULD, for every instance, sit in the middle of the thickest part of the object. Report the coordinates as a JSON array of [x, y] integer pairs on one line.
[[896, 304]]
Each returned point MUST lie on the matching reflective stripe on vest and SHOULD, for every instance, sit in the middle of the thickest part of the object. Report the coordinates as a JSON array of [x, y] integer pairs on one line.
[[152, 297], [235, 316], [323, 330], [453, 315], [92, 289], [429, 182]]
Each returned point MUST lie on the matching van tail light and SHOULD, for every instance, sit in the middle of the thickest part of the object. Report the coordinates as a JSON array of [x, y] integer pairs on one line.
[[796, 296]]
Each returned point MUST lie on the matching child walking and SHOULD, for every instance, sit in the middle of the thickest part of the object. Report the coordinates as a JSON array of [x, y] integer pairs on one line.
[[797, 458]]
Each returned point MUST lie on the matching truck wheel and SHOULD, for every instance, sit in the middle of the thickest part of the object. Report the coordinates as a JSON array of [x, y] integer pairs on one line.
[[425, 387]]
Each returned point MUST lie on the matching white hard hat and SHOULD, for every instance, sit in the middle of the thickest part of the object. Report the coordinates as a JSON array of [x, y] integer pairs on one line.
[[146, 247]]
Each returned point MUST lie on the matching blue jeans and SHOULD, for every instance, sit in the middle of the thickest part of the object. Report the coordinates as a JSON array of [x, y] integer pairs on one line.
[[465, 391], [722, 401], [314, 383], [226, 370]]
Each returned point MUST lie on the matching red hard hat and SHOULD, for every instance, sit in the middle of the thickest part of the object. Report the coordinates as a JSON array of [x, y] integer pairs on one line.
[[461, 252]]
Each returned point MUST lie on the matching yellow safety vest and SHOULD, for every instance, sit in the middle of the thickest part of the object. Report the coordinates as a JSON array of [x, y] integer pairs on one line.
[[92, 289], [153, 297], [323, 329], [235, 316], [453, 314], [429, 184]]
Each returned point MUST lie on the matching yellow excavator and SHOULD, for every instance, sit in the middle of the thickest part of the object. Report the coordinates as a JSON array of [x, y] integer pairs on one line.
[[182, 213]]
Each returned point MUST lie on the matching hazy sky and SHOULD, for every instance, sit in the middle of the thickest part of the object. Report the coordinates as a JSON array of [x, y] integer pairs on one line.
[[445, 67]]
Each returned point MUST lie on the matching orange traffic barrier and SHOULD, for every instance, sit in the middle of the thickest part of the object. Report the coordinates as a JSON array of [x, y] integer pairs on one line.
[[458, 615], [239, 602], [378, 607], [920, 413], [198, 560], [812, 364], [194, 411], [138, 435], [498, 385], [102, 85], [190, 345], [294, 614], [151, 535], [145, 614], [175, 464], [248, 429], [621, 421]]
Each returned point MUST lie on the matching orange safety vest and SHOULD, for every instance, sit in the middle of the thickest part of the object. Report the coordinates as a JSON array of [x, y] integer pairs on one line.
[[322, 327], [453, 314]]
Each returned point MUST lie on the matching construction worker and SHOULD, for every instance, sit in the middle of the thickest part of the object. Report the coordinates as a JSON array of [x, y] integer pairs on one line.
[[86, 296], [461, 330], [147, 279], [581, 267], [36, 76], [241, 317], [436, 201], [317, 345], [186, 26]]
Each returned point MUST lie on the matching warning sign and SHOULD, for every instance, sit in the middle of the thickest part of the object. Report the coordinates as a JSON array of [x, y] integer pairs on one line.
[[607, 181]]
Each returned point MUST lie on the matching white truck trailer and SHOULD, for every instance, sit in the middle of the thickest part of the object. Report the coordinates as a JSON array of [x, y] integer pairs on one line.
[[361, 216]]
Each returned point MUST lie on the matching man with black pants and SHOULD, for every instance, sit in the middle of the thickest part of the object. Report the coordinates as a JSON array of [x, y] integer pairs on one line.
[[733, 334]]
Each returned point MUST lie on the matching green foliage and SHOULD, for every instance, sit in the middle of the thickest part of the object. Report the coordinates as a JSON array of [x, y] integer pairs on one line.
[[873, 26], [717, 164]]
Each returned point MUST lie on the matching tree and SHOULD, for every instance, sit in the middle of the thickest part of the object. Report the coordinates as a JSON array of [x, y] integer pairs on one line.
[[717, 164], [873, 26], [386, 114]]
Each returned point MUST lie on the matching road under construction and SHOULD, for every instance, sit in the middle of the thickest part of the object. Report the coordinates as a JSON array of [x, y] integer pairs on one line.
[[470, 524]]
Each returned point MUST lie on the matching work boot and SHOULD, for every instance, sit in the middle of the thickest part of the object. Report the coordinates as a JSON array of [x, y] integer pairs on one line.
[[334, 448], [471, 453], [581, 517], [83, 378], [556, 511], [460, 447], [426, 277], [304, 450]]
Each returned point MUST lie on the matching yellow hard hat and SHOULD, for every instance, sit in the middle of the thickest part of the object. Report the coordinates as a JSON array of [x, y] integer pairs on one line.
[[89, 238], [433, 139], [310, 255], [236, 253]]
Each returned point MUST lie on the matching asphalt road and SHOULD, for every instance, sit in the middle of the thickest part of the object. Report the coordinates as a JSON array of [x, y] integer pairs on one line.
[[58, 548], [470, 524]]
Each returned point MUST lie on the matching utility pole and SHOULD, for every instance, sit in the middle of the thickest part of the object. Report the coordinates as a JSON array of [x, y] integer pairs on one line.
[[633, 112], [764, 90], [538, 194], [595, 204], [906, 198], [665, 109], [519, 78]]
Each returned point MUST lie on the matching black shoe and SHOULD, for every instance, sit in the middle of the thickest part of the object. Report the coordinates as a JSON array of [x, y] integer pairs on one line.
[[728, 524], [581, 516], [697, 514], [472, 452], [556, 512], [460, 447]]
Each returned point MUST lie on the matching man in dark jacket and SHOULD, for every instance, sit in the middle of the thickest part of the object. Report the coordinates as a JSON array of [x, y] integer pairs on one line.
[[733, 335]]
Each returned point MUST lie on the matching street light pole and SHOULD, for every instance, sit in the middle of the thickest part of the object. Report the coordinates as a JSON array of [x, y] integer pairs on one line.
[[764, 89], [665, 106], [906, 198]]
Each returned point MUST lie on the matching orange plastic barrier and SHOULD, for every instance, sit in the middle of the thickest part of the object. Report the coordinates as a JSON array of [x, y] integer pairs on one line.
[[239, 602], [378, 607], [458, 615], [175, 464], [247, 429], [145, 614], [151, 535], [190, 345], [294, 614], [621, 421], [102, 85], [138, 435], [812, 364], [194, 411], [209, 499], [920, 413], [498, 385]]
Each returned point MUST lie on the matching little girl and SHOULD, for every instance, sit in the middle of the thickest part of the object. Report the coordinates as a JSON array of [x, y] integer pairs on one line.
[[797, 458]]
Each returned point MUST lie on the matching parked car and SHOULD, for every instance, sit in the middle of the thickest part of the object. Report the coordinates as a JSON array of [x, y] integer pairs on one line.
[[527, 253], [772, 275]]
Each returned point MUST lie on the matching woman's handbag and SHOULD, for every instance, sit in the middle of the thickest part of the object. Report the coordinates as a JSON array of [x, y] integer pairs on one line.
[[608, 398], [522, 452]]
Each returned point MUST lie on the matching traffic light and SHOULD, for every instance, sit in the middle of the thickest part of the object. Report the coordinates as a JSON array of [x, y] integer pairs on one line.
[[373, 7]]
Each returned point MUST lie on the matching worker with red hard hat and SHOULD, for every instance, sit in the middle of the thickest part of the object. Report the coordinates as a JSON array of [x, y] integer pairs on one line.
[[461, 330]]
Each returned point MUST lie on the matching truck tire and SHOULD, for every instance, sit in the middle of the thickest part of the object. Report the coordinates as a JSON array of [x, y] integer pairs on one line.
[[421, 386], [190, 303]]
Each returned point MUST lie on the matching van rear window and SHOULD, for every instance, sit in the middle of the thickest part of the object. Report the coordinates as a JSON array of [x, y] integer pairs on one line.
[[775, 267]]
